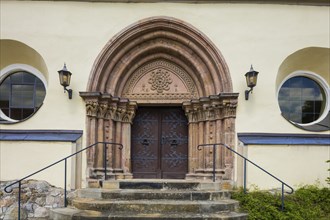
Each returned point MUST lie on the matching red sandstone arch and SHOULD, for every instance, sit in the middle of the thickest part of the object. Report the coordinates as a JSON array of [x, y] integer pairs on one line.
[[154, 38], [198, 70]]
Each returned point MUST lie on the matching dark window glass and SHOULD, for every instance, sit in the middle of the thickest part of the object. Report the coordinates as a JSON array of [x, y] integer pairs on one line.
[[40, 94], [28, 79], [301, 100], [27, 112], [4, 94], [21, 95], [16, 113]]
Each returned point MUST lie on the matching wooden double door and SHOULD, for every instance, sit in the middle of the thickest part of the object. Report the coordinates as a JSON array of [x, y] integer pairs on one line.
[[159, 143]]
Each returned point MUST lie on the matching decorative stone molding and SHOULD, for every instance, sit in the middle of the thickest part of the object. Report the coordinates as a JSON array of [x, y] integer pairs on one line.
[[160, 80], [216, 107], [104, 106], [91, 108], [102, 110], [184, 48]]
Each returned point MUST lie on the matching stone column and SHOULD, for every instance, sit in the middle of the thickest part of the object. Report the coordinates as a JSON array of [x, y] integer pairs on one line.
[[211, 120], [230, 141], [190, 149], [116, 150], [91, 140], [126, 152], [91, 111], [201, 159], [109, 138], [194, 146], [207, 150], [108, 120], [99, 149], [221, 150], [230, 105]]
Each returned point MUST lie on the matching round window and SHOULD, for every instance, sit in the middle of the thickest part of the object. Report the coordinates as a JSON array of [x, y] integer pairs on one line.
[[21, 95], [302, 100]]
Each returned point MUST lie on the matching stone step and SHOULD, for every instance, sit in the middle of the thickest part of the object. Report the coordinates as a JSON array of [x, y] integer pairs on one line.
[[74, 214], [166, 184], [151, 199], [155, 206], [131, 194]]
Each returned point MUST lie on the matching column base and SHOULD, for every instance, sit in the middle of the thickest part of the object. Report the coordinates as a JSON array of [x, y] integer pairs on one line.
[[224, 184], [203, 176], [112, 174], [206, 174]]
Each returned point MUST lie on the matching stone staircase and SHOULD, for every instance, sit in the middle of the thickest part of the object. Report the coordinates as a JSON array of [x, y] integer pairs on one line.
[[151, 199]]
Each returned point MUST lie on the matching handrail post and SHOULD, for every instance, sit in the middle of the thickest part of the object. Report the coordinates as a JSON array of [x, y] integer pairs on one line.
[[214, 161], [65, 166], [105, 161], [282, 198], [244, 178], [19, 200]]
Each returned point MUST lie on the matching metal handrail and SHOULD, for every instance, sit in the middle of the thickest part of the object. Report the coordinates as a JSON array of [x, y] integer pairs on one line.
[[245, 159], [8, 188]]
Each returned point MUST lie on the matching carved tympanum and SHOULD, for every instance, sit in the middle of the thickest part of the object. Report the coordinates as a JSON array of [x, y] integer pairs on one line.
[[160, 80]]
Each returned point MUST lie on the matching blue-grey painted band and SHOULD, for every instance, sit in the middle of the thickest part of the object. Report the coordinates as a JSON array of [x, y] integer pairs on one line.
[[40, 135], [283, 139]]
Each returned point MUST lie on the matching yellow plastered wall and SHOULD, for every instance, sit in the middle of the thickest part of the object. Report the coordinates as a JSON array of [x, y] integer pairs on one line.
[[296, 165], [19, 159]]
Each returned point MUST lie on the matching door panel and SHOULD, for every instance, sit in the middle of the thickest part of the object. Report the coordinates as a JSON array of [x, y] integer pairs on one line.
[[145, 141], [160, 143], [174, 138]]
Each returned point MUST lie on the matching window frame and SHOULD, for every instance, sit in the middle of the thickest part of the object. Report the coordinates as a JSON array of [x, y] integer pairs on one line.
[[12, 69], [320, 81]]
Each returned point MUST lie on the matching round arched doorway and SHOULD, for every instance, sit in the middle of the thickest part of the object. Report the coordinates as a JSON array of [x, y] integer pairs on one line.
[[157, 65]]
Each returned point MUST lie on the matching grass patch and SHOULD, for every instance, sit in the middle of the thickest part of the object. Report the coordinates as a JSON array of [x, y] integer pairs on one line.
[[306, 203]]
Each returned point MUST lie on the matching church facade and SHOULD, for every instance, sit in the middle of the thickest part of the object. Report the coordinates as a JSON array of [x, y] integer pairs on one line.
[[163, 80]]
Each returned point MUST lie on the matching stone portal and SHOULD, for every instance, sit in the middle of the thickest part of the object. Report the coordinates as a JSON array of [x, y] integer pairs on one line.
[[160, 62]]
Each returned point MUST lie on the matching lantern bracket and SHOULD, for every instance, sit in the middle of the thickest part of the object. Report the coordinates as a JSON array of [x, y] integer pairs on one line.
[[69, 92], [251, 81], [247, 92]]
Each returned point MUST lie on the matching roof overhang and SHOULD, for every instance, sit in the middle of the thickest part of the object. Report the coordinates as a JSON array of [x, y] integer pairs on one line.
[[287, 2]]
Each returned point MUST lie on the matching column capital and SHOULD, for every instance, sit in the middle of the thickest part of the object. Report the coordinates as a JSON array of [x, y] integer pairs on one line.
[[105, 106], [214, 107]]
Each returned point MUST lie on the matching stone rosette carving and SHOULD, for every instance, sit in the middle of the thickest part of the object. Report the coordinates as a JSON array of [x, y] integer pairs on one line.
[[160, 80]]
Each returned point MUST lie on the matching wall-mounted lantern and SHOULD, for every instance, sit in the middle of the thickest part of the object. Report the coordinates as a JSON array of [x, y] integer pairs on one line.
[[251, 81], [65, 77]]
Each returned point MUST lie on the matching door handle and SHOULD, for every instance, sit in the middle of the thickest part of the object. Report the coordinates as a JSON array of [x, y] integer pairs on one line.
[[145, 142], [174, 142]]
